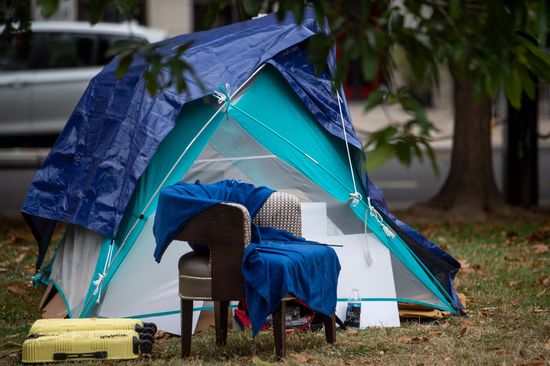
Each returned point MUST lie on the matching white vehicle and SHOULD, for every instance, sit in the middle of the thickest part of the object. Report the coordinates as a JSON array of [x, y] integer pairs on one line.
[[43, 76]]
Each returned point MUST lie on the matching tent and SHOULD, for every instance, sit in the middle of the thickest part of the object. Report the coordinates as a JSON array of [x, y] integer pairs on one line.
[[265, 116]]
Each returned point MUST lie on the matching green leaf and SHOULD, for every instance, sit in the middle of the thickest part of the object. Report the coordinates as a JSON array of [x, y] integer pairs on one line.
[[319, 47], [375, 99], [403, 151], [431, 155], [379, 156], [369, 63], [455, 7], [97, 7], [384, 135], [126, 46], [512, 88], [251, 7], [538, 61], [527, 82], [123, 65], [151, 82], [417, 151], [543, 20], [396, 22], [49, 7]]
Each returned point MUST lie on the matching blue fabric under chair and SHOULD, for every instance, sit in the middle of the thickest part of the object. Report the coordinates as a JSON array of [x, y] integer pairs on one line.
[[275, 264], [283, 264]]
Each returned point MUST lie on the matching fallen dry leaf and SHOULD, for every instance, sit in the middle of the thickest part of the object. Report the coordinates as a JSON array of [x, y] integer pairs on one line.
[[302, 358], [419, 339], [523, 353], [351, 331], [16, 290], [404, 339], [544, 280], [487, 310], [512, 234], [161, 336], [259, 362], [16, 239], [11, 353], [466, 268], [541, 248], [412, 340], [538, 236], [12, 336], [463, 299], [20, 258], [463, 331], [514, 283], [11, 345]]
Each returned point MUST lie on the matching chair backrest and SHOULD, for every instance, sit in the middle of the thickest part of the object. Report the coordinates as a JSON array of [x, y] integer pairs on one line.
[[281, 211]]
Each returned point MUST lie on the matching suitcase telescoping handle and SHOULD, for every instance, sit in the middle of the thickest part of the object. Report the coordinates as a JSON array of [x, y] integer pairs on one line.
[[91, 355]]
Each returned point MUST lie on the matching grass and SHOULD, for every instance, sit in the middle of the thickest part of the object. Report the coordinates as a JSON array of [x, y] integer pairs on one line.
[[505, 281]]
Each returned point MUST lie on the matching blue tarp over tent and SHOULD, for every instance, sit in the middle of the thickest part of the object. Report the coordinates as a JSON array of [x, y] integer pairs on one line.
[[91, 172]]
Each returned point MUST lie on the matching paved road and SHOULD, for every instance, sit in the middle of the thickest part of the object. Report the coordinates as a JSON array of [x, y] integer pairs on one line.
[[403, 186]]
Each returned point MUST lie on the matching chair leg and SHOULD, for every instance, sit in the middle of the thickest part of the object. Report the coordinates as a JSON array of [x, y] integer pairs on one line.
[[186, 327], [220, 313], [330, 328], [279, 330]]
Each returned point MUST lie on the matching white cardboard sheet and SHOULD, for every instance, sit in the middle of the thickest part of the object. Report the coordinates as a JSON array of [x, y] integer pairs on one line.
[[314, 219], [374, 281]]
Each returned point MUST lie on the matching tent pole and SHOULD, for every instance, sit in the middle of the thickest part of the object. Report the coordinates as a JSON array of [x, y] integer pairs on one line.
[[151, 200]]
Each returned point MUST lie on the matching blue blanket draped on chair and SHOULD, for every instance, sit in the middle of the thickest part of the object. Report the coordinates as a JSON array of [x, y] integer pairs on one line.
[[277, 264]]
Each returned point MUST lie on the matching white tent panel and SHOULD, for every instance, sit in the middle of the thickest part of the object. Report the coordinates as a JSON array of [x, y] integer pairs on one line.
[[146, 289], [74, 264]]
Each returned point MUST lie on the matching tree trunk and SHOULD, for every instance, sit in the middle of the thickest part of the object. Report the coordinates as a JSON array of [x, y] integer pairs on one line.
[[470, 191], [521, 177]]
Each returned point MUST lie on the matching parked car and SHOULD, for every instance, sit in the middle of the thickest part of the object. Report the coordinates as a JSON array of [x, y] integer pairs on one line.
[[43, 75]]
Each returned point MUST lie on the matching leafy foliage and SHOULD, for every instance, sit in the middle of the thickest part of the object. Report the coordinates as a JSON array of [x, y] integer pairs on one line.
[[402, 141], [491, 44], [159, 65]]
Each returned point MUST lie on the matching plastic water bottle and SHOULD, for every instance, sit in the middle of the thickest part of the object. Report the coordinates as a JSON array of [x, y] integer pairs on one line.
[[353, 311]]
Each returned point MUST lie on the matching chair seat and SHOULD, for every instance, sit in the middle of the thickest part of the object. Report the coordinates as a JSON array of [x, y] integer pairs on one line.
[[195, 277]]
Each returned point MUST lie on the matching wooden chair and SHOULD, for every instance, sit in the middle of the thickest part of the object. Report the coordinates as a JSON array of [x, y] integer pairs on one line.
[[225, 229]]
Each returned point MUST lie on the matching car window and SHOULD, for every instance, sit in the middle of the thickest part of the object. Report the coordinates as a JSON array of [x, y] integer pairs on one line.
[[62, 50], [15, 52], [106, 41], [55, 50]]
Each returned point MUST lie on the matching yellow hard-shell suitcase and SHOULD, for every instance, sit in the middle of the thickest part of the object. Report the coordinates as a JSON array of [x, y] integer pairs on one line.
[[84, 345], [68, 325]]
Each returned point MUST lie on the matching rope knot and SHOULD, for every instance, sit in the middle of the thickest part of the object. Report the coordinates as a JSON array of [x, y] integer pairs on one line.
[[97, 283], [374, 213], [223, 95], [354, 199]]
